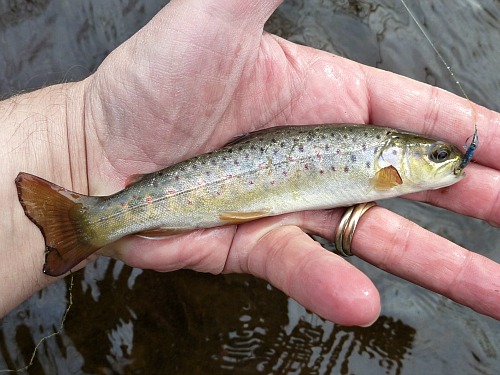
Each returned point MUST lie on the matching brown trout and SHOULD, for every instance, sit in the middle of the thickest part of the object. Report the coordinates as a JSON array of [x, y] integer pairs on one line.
[[268, 172]]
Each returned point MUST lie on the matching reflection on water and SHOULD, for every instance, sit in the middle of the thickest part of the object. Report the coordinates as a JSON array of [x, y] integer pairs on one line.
[[317, 347], [128, 321]]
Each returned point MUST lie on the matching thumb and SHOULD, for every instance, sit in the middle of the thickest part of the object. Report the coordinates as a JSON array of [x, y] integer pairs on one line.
[[255, 12]]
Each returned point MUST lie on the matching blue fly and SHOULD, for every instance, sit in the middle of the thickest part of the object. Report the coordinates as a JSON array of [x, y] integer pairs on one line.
[[470, 149]]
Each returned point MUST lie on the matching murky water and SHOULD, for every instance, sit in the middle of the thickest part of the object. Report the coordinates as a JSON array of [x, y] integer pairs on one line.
[[129, 321]]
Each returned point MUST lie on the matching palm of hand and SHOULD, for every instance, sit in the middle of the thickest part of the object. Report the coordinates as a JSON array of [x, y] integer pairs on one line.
[[186, 85]]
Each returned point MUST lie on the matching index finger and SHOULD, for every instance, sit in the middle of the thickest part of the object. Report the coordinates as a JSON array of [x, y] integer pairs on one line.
[[410, 105]]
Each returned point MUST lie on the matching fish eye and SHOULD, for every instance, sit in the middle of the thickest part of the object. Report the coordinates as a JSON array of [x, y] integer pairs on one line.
[[439, 152]]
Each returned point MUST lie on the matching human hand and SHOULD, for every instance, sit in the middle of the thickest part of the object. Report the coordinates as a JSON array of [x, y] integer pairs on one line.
[[201, 73]]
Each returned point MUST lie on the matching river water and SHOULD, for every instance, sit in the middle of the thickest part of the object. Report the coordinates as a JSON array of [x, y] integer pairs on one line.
[[130, 321]]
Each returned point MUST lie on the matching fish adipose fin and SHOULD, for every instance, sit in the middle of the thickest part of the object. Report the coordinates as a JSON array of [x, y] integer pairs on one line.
[[235, 217], [386, 178], [56, 211]]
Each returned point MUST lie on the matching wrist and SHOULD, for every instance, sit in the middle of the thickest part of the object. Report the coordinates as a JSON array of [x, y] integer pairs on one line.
[[42, 133]]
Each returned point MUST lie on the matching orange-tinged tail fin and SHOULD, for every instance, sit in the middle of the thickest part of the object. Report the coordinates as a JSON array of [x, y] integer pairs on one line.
[[59, 215]]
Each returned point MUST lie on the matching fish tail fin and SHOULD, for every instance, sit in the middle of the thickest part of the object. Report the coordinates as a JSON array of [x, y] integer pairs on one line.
[[59, 215]]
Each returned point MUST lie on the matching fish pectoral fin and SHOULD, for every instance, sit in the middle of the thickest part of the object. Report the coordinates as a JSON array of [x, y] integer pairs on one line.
[[161, 232], [236, 217], [386, 178]]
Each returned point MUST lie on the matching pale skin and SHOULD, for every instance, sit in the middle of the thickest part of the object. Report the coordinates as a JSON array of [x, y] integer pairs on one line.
[[200, 73]]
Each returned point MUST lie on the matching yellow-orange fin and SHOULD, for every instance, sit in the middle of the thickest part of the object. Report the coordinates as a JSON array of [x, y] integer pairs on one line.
[[386, 178], [236, 217], [162, 232], [133, 179], [58, 214]]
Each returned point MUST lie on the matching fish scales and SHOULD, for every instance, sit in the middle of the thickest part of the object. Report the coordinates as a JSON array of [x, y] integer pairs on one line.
[[278, 171], [269, 172]]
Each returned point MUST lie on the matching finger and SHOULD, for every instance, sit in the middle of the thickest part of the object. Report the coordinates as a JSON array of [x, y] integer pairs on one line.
[[291, 261], [272, 249], [236, 12], [403, 248], [405, 103], [370, 95], [477, 195], [202, 250]]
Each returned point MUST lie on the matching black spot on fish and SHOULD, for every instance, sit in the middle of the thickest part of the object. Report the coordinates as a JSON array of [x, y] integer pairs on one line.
[[213, 162], [247, 155], [375, 150], [321, 171], [176, 178], [363, 146], [378, 136], [346, 169], [208, 173], [353, 158], [301, 148], [236, 162], [274, 140], [333, 168], [368, 165], [261, 149], [230, 150], [394, 152], [160, 174], [282, 144], [275, 151], [253, 147], [366, 134], [327, 147], [345, 136]]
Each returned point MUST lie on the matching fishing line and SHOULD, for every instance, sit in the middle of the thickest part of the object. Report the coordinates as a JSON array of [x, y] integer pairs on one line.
[[61, 326], [474, 141]]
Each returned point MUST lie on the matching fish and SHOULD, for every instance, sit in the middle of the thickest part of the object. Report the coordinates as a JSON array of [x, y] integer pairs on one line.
[[265, 173]]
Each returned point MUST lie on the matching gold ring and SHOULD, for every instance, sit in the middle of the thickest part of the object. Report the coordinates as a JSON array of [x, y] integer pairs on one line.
[[347, 225]]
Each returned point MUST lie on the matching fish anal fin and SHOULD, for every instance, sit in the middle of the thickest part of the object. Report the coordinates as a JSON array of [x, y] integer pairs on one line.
[[236, 217], [161, 232], [133, 179], [386, 178]]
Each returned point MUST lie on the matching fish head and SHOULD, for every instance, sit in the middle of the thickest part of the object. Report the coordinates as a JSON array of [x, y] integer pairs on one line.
[[423, 163]]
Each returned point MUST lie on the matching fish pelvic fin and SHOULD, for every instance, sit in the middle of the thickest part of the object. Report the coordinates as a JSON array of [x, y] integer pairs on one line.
[[59, 215]]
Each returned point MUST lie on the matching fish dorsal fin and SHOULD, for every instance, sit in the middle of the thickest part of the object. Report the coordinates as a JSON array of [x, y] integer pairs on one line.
[[255, 133], [236, 217], [386, 178]]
